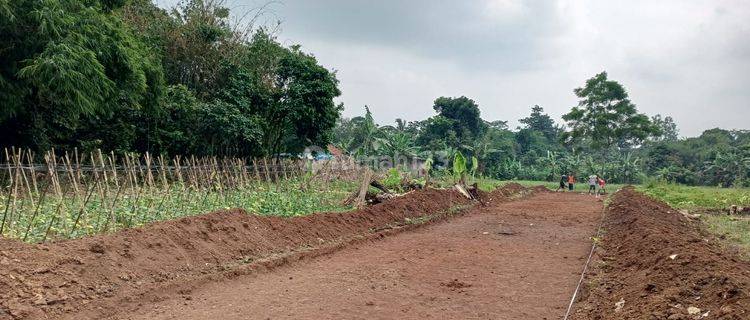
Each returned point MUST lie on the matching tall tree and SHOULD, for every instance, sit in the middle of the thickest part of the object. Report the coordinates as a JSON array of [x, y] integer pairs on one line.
[[667, 128], [605, 117], [437, 133], [540, 122], [288, 93], [464, 114], [197, 38]]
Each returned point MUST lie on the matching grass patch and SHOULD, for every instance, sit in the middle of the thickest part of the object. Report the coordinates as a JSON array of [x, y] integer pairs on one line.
[[686, 197], [736, 230]]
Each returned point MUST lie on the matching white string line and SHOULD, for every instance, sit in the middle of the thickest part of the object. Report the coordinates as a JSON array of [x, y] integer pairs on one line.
[[585, 266]]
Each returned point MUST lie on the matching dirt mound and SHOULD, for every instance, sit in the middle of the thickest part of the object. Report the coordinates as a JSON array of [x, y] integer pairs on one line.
[[657, 264], [507, 190], [43, 280]]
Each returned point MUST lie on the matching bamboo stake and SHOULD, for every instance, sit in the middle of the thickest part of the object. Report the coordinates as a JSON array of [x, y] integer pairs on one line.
[[245, 174], [255, 168], [149, 175], [99, 188], [178, 168], [106, 177], [10, 193], [83, 209], [265, 166], [163, 173], [104, 168], [137, 162], [53, 158], [78, 164], [112, 214], [16, 178], [71, 174], [49, 225], [7, 206], [275, 168], [52, 172], [19, 165], [113, 163], [134, 208], [284, 169], [190, 192], [36, 212], [161, 204], [30, 158]]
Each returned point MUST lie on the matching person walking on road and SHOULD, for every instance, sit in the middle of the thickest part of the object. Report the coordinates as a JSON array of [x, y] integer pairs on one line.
[[563, 181], [571, 181], [593, 179]]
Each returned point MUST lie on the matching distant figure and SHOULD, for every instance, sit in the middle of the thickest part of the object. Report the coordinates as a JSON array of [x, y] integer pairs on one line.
[[593, 179], [602, 183], [563, 182], [571, 181]]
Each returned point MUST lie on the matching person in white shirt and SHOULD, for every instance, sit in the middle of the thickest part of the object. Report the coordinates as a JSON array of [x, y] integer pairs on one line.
[[592, 184]]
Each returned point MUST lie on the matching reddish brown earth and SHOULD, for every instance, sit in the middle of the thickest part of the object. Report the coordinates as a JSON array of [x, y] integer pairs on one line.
[[518, 256], [68, 277], [509, 260], [658, 264]]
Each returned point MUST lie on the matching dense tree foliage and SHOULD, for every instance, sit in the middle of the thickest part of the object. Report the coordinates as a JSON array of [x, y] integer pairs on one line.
[[716, 157], [607, 136], [605, 117], [129, 76], [65, 62]]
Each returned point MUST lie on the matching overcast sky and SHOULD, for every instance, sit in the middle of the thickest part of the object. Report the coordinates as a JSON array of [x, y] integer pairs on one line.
[[687, 59]]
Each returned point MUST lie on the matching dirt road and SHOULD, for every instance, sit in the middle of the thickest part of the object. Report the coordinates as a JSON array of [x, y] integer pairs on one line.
[[515, 260]]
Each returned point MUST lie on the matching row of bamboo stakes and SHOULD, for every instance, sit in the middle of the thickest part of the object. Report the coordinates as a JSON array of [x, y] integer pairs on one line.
[[28, 180]]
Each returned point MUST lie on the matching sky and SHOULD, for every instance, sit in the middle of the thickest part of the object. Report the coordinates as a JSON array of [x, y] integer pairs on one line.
[[687, 59]]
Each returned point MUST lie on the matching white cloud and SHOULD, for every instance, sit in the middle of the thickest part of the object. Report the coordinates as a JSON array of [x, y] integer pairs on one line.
[[504, 9]]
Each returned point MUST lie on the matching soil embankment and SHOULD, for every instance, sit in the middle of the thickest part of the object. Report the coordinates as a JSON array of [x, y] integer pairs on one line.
[[507, 260], [52, 279], [655, 263]]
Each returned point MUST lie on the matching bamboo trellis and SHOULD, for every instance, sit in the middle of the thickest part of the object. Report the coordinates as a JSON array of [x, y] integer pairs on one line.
[[126, 189], [75, 170]]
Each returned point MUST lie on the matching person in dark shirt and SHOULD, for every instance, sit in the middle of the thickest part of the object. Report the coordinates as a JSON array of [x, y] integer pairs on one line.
[[563, 181]]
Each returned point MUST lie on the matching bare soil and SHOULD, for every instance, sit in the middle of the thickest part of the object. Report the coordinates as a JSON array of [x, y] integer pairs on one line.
[[655, 263], [516, 254], [48, 280], [69, 277], [508, 260]]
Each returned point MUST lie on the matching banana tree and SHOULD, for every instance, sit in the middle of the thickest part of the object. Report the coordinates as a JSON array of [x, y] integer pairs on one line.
[[552, 163], [628, 168], [459, 168], [727, 168], [399, 144], [368, 138], [474, 167]]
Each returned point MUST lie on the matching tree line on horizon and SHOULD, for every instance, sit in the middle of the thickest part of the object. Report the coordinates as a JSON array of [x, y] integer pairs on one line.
[[604, 134], [128, 76]]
